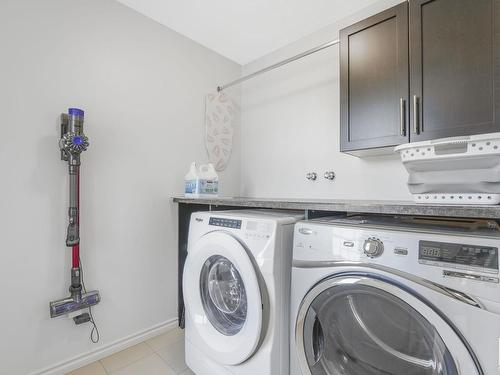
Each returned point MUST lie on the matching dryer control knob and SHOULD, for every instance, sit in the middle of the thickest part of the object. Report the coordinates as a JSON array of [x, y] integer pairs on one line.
[[373, 247]]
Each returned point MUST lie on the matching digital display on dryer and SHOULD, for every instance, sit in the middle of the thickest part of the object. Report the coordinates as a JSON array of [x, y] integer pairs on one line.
[[226, 223], [458, 255], [431, 252]]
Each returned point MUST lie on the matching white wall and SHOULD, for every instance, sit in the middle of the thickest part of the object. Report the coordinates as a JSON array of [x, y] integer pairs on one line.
[[142, 87], [290, 126]]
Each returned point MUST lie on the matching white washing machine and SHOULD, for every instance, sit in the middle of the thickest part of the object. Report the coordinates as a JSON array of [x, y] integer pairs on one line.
[[392, 296], [236, 288]]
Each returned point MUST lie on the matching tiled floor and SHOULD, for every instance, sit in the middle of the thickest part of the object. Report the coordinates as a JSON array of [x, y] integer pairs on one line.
[[161, 355]]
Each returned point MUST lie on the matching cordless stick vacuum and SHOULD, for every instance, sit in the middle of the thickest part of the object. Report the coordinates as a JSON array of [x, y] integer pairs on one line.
[[72, 143]]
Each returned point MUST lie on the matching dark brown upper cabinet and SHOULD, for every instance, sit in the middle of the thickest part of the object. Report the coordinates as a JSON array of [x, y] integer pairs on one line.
[[454, 68], [424, 69], [374, 81]]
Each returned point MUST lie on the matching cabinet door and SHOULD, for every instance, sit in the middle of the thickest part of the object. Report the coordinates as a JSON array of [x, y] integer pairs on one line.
[[374, 81], [454, 67]]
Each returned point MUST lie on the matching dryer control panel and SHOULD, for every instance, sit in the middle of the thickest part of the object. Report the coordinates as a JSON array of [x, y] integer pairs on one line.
[[469, 263], [457, 255]]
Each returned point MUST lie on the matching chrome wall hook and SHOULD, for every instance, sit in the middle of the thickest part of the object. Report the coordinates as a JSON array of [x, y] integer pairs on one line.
[[312, 176], [329, 175]]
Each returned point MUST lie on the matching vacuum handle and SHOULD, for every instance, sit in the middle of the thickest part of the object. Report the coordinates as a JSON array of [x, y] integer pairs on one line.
[[64, 130]]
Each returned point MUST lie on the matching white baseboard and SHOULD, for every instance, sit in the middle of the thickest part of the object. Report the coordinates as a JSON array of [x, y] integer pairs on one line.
[[84, 359]]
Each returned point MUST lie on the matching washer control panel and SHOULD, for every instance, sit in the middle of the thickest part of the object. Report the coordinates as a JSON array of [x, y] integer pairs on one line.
[[224, 222]]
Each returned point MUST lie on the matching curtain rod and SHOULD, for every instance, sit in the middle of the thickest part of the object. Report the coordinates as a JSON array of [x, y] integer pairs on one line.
[[278, 64]]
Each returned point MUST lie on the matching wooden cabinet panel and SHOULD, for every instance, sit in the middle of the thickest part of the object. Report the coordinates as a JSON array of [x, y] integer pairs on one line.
[[454, 67], [374, 81]]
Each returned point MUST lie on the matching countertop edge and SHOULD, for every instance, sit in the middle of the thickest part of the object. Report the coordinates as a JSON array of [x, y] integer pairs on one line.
[[360, 206]]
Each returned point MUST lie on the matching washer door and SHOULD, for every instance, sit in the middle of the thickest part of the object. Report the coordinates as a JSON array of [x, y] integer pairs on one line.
[[223, 298], [359, 325]]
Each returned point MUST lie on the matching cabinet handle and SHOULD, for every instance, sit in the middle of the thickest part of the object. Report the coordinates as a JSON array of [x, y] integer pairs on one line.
[[402, 117], [416, 126]]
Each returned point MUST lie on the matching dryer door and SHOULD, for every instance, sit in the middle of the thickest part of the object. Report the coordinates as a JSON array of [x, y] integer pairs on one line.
[[223, 298], [362, 325]]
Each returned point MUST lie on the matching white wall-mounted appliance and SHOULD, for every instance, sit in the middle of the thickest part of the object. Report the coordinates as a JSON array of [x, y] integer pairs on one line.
[[236, 288], [372, 297]]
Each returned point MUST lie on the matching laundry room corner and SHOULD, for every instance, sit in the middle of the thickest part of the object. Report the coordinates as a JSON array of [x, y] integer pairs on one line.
[[144, 104]]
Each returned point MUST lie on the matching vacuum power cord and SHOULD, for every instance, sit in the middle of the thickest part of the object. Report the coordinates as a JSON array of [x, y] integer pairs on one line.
[[94, 334]]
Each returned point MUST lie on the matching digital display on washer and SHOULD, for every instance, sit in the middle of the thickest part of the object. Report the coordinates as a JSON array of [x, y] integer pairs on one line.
[[227, 223], [458, 254]]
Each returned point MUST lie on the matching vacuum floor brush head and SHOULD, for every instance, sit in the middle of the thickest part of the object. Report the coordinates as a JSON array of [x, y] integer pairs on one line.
[[69, 305]]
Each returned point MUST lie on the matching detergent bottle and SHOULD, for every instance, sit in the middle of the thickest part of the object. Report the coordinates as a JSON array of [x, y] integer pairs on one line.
[[209, 181], [192, 182]]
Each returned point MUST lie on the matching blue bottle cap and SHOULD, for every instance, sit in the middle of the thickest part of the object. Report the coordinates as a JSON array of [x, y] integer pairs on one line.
[[76, 112]]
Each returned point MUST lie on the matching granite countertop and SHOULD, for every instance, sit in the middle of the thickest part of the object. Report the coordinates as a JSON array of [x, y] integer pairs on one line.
[[360, 206]]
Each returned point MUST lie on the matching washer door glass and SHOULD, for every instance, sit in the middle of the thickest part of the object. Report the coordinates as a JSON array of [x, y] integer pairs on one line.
[[362, 330], [223, 295]]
